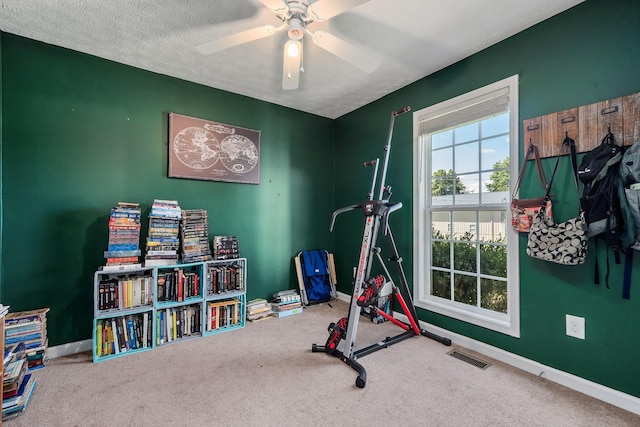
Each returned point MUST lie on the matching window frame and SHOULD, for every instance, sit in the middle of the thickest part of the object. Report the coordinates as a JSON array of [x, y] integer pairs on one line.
[[507, 323]]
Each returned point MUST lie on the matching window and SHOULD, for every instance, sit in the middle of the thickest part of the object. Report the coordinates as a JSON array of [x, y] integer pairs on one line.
[[465, 252]]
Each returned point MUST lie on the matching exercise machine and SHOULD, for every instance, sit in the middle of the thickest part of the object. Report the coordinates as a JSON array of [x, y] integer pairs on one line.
[[342, 334]]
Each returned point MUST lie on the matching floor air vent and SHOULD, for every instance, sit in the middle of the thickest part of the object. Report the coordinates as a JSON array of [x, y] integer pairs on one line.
[[469, 359]]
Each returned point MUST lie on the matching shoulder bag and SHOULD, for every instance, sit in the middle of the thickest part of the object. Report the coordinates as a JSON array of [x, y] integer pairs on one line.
[[565, 242], [524, 210]]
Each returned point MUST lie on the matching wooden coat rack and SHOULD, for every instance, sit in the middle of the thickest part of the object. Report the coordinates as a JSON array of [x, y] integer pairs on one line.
[[587, 125]]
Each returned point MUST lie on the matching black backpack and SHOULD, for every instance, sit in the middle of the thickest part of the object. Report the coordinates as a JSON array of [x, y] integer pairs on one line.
[[603, 198]]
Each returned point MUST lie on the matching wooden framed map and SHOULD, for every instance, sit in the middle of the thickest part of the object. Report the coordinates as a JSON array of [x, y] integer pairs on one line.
[[212, 151]]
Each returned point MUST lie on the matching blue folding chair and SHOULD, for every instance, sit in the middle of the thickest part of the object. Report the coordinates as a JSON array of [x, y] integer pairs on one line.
[[316, 276]]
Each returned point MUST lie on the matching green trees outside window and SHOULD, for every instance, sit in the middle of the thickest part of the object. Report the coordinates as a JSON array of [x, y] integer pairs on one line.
[[486, 281]]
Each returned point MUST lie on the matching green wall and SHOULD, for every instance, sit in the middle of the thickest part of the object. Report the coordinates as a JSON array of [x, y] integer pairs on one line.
[[81, 133], [587, 54], [1, 180]]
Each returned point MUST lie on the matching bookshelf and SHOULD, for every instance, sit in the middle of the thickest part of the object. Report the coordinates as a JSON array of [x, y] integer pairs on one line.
[[178, 285], [224, 295], [141, 308], [123, 303]]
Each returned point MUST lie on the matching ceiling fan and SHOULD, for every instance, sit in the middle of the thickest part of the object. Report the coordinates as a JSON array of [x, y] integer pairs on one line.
[[296, 15]]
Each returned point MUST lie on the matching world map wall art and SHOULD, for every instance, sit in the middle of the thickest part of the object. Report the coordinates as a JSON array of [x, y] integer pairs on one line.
[[212, 151]]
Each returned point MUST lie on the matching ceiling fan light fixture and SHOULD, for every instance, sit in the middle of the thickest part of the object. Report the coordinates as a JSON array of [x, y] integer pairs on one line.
[[293, 48], [291, 65]]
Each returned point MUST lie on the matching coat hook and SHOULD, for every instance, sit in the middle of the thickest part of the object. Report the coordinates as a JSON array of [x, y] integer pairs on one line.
[[608, 127]]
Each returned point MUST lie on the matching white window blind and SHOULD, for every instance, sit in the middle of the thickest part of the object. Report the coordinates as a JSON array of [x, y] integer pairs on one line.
[[461, 113]]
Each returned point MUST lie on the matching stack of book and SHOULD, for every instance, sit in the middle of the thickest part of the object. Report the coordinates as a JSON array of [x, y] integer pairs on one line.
[[258, 309], [286, 303], [194, 234], [124, 237], [30, 328], [17, 383], [225, 247], [163, 238]]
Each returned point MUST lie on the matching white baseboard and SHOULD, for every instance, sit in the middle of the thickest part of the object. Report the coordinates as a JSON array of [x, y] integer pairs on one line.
[[606, 394], [69, 348]]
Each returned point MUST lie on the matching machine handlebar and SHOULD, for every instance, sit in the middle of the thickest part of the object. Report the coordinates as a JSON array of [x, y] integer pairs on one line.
[[404, 110], [339, 211]]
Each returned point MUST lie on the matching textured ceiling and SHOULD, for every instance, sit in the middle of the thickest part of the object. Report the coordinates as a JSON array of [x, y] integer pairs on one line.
[[412, 39]]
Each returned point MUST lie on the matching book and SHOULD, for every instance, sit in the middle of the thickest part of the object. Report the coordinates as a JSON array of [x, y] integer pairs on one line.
[[21, 399], [14, 374], [168, 323], [286, 313], [125, 333], [160, 328], [120, 267], [260, 316], [257, 303], [152, 262], [286, 300], [13, 352], [258, 310], [285, 306], [4, 309], [114, 331], [145, 326], [285, 292], [26, 316]]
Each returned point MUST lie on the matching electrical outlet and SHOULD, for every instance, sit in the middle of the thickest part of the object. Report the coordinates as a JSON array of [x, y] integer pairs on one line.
[[575, 326]]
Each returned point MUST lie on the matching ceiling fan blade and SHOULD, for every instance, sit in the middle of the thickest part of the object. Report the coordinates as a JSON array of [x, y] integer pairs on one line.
[[325, 9], [275, 5], [217, 45], [345, 51], [291, 68]]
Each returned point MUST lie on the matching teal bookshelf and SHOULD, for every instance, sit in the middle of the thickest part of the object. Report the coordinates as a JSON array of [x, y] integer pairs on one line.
[[141, 308], [225, 295]]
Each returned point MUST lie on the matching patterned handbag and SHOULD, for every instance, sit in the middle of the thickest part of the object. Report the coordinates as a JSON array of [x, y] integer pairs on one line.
[[523, 211], [565, 242]]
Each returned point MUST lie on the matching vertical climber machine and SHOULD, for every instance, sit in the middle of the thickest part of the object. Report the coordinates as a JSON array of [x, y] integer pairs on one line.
[[342, 335]]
